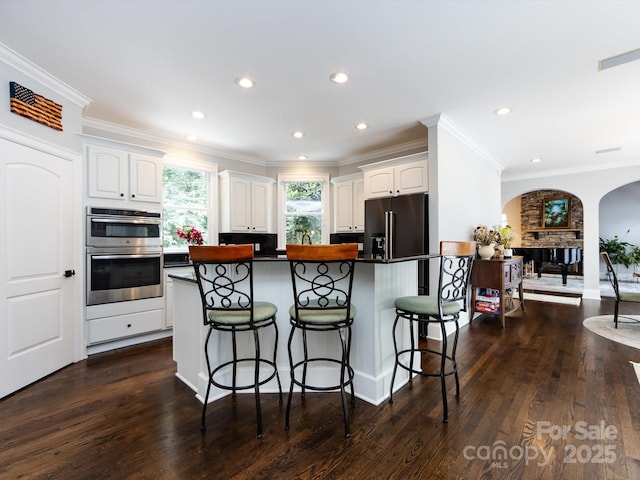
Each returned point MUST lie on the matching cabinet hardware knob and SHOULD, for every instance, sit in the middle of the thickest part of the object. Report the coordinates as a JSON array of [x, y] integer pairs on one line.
[[128, 325], [69, 273], [133, 195], [122, 194]]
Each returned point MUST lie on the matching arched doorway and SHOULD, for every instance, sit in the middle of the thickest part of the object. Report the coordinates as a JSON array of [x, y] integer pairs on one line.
[[619, 223], [547, 228]]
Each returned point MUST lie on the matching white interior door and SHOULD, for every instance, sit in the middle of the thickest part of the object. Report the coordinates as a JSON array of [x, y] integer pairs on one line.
[[36, 248]]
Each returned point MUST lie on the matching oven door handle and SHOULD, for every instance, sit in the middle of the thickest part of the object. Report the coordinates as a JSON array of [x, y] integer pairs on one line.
[[153, 221], [116, 257]]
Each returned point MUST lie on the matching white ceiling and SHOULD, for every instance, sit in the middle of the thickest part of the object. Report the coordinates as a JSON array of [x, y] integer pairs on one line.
[[146, 64]]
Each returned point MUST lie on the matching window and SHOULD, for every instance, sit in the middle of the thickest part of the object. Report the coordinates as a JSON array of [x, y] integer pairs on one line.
[[187, 194], [303, 209]]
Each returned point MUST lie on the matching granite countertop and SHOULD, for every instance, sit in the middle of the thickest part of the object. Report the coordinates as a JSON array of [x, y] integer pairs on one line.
[[366, 259], [283, 258]]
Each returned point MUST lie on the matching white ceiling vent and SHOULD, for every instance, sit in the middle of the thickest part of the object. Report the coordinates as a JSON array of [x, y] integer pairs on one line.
[[619, 59]]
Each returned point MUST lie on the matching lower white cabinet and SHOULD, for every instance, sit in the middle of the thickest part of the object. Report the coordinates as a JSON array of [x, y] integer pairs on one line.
[[120, 326], [168, 292]]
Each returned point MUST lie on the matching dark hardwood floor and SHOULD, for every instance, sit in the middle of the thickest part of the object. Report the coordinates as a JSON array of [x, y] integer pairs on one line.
[[123, 414]]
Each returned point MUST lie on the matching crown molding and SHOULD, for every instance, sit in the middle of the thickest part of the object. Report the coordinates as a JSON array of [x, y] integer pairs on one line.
[[21, 64], [103, 126], [400, 150], [570, 171], [444, 122], [407, 148], [37, 143]]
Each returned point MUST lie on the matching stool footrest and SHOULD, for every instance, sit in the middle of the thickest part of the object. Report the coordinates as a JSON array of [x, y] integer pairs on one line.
[[348, 381], [262, 361]]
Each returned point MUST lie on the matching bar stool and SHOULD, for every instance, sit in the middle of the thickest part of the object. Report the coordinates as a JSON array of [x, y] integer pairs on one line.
[[452, 297], [322, 278], [225, 279]]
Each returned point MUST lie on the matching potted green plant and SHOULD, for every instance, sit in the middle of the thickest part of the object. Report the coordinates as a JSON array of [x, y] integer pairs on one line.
[[505, 239], [619, 251]]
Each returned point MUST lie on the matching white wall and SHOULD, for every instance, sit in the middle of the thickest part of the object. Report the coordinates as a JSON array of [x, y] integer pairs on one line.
[[464, 183], [590, 187], [464, 188], [14, 68]]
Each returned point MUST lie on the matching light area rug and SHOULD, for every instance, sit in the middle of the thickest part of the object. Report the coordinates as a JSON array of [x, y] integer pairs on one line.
[[636, 367], [552, 298], [626, 333]]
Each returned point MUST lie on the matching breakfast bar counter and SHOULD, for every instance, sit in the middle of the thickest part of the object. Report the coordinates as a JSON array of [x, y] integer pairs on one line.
[[377, 283]]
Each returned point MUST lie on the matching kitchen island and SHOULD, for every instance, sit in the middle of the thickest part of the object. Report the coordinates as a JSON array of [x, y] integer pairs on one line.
[[377, 283]]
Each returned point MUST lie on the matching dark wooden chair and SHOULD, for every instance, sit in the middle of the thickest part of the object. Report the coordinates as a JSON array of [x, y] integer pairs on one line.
[[225, 279], [619, 296], [456, 259], [322, 279]]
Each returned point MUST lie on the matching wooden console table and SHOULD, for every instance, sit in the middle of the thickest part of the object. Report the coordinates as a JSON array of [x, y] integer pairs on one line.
[[498, 274]]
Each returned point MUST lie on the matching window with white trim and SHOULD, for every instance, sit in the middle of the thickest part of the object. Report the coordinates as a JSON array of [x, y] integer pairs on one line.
[[303, 209], [187, 201]]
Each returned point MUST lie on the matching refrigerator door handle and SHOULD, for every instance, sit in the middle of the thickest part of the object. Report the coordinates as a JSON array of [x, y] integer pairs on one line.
[[389, 228]]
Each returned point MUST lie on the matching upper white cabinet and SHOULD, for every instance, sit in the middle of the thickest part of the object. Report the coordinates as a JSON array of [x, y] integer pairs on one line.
[[399, 176], [348, 203], [245, 202], [120, 175]]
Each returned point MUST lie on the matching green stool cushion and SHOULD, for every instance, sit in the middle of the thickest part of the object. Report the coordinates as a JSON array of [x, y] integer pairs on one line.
[[326, 316], [630, 296], [426, 305], [261, 311]]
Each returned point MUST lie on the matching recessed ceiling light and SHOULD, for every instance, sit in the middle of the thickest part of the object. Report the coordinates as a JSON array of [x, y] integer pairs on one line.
[[339, 77], [297, 134], [197, 114], [362, 126], [302, 157], [536, 160], [245, 82], [192, 138], [502, 111]]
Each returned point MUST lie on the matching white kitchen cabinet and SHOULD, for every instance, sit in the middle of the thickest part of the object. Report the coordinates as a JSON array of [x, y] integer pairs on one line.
[[348, 200], [168, 292], [118, 324], [127, 325], [120, 175], [399, 176], [245, 202]]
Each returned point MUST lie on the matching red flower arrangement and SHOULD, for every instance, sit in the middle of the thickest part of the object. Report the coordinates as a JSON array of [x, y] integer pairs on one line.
[[191, 235]]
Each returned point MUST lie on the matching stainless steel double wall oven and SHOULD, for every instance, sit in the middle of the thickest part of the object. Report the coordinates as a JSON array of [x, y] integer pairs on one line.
[[124, 255]]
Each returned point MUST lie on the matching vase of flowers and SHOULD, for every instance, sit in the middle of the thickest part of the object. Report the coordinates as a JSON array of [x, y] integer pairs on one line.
[[486, 238], [192, 235]]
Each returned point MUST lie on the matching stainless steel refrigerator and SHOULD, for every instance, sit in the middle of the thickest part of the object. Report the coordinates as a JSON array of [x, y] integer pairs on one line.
[[396, 227]]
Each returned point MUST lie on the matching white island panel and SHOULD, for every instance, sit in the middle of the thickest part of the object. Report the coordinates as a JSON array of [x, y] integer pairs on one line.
[[376, 285]]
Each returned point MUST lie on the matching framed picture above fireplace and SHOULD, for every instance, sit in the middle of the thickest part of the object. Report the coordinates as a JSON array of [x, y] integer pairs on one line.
[[556, 212]]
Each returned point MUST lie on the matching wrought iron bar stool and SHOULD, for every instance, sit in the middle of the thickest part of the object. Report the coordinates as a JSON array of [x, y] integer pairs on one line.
[[322, 279], [225, 279], [452, 297], [619, 296]]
